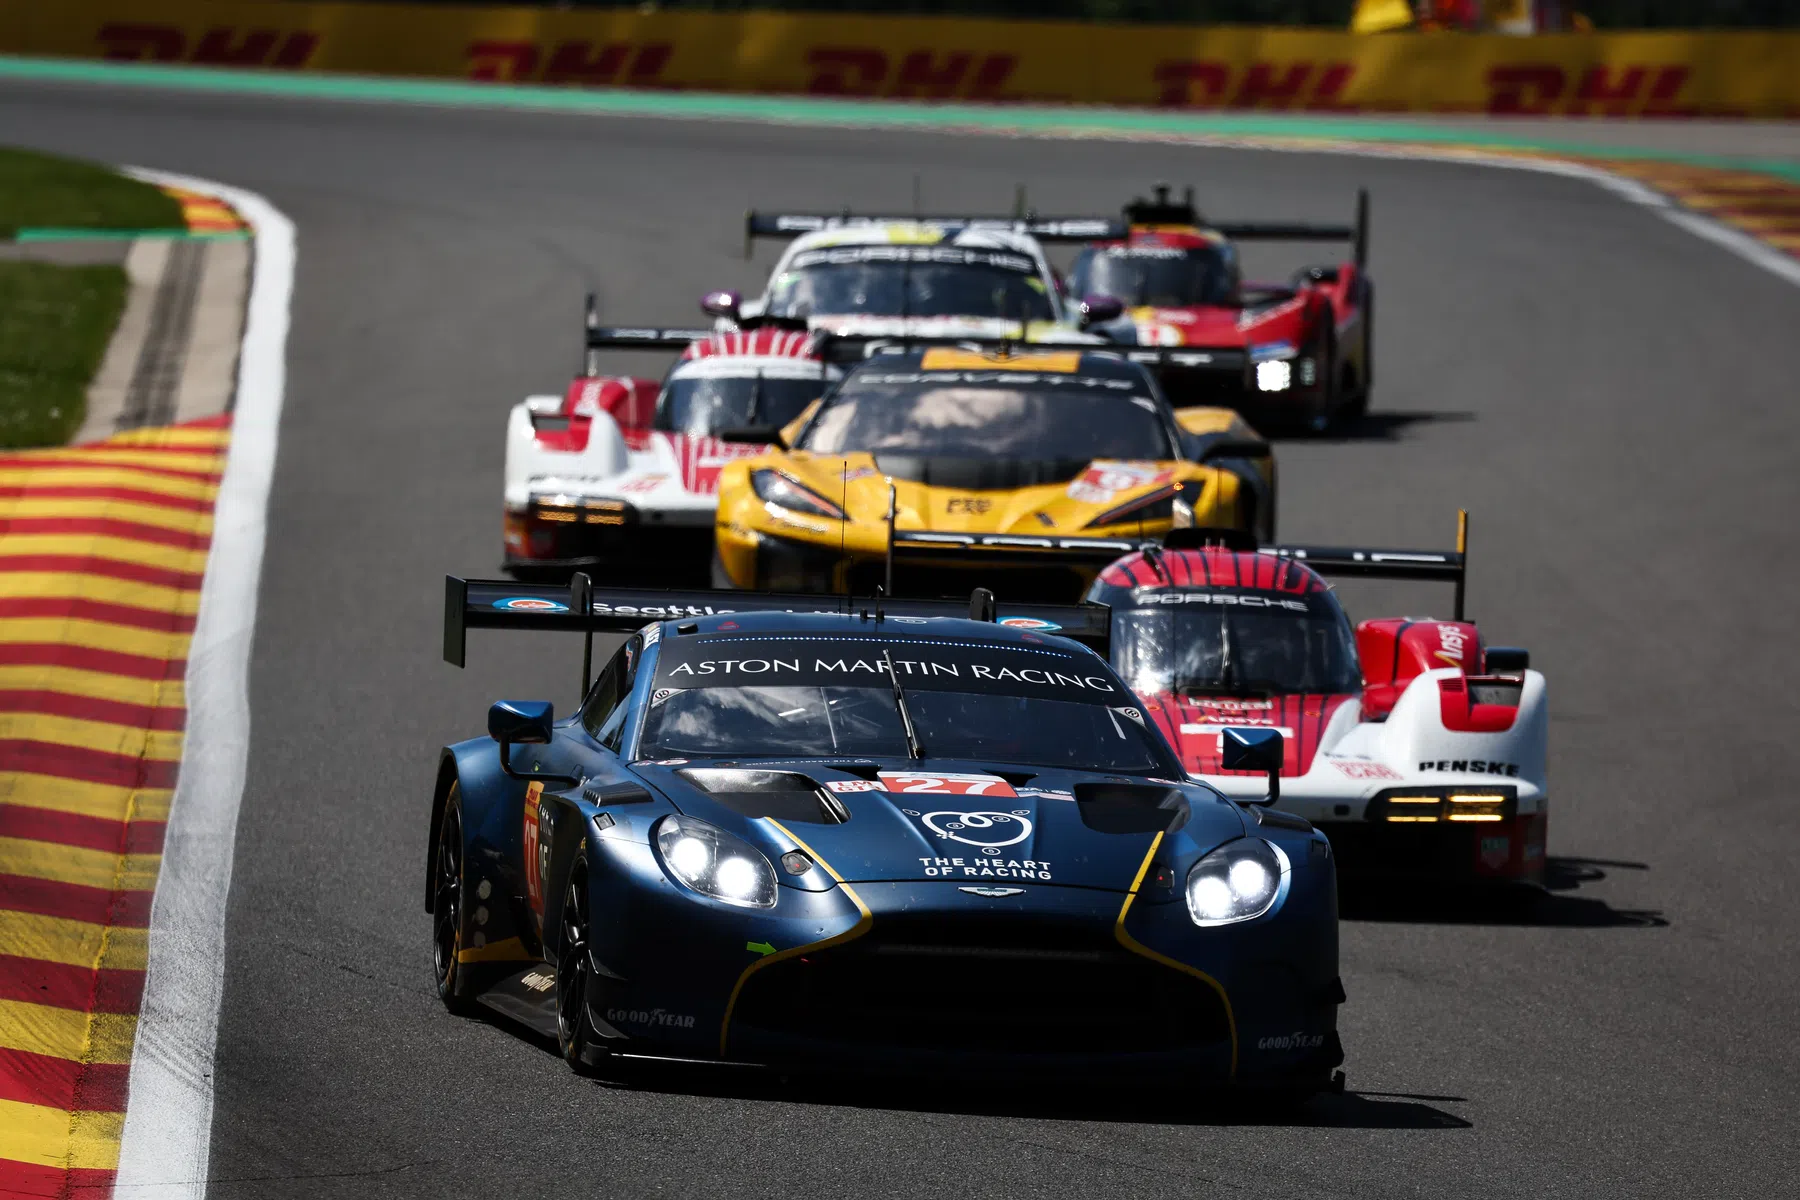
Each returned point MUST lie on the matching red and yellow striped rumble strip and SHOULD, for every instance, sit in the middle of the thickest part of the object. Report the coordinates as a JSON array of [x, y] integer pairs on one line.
[[102, 548], [205, 214]]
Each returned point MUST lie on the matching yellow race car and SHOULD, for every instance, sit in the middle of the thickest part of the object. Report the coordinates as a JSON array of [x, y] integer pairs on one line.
[[930, 470]]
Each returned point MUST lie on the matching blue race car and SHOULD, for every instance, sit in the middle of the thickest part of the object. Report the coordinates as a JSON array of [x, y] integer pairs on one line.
[[789, 830]]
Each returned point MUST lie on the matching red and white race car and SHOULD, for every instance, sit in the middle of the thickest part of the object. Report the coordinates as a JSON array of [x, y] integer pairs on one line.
[[1297, 354], [625, 469], [1418, 748]]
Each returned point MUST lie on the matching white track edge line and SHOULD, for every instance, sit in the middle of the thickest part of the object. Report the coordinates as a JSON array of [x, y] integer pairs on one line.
[[166, 1147]]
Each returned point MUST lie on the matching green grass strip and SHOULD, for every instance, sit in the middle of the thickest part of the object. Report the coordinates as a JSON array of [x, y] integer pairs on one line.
[[42, 190], [55, 323], [1069, 120]]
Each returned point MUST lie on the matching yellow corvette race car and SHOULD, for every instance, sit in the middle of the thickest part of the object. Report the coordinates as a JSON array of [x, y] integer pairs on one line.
[[927, 471]]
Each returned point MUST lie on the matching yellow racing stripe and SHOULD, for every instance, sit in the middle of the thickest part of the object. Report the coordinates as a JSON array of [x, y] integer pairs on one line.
[[75, 943], [105, 589], [94, 635], [78, 865], [177, 487], [67, 1032], [86, 545], [84, 799], [152, 745], [179, 520], [53, 1137]]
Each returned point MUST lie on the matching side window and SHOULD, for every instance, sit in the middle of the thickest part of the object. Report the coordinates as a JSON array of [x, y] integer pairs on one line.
[[610, 689]]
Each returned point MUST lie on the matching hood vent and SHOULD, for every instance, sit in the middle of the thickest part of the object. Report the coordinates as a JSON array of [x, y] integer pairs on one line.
[[783, 795], [1131, 807]]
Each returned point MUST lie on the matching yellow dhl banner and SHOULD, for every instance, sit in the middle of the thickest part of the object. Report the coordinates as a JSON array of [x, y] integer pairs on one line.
[[1648, 74]]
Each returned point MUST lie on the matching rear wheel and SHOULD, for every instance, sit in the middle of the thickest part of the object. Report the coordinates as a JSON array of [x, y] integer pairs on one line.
[[448, 890], [574, 972]]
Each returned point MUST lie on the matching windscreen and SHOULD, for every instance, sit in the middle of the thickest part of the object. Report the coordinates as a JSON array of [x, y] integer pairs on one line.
[[911, 281], [1019, 416], [1157, 276], [697, 406], [1234, 644], [806, 698]]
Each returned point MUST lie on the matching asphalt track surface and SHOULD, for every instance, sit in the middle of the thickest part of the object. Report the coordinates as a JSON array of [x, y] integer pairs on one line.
[[1610, 396]]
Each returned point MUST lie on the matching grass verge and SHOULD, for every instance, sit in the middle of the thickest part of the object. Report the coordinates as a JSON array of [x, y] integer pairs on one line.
[[39, 190], [55, 323]]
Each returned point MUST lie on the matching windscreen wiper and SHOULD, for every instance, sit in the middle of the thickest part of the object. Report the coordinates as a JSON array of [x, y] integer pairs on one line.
[[914, 747]]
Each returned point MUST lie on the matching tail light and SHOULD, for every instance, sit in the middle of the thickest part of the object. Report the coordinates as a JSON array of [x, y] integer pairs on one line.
[[1471, 805]]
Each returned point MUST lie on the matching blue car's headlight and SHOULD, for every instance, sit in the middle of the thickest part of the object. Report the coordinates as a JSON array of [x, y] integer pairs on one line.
[[1236, 882], [715, 863]]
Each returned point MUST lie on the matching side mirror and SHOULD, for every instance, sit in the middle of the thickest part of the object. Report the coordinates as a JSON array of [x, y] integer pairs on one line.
[[1233, 448], [526, 722], [1506, 660], [1254, 749], [721, 304], [753, 435], [1097, 310]]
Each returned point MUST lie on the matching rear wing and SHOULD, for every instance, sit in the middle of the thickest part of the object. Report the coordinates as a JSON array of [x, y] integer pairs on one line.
[[1044, 229], [1163, 211], [1440, 566], [586, 609]]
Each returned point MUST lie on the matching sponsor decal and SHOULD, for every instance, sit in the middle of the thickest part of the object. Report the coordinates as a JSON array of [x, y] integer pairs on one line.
[[1291, 1041], [653, 1017], [1235, 706], [1495, 851], [1235, 599], [530, 604], [992, 893], [1030, 623], [652, 635], [1471, 766], [539, 980], [760, 669], [969, 505], [763, 948], [988, 867], [948, 784], [852, 474], [1131, 714], [534, 866], [661, 694], [1105, 478], [643, 483], [991, 831], [1356, 769], [1453, 645], [854, 785]]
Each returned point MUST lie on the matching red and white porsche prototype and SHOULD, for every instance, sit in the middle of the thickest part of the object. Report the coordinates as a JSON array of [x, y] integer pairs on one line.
[[1417, 747], [625, 469], [1297, 354]]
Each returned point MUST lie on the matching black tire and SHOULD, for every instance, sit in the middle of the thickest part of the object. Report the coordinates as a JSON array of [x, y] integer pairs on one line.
[[449, 893], [574, 973]]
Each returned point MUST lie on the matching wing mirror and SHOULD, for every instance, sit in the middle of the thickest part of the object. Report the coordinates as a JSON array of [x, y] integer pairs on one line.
[[1233, 448], [1254, 749], [751, 435], [1506, 660], [1097, 310], [721, 304], [524, 723]]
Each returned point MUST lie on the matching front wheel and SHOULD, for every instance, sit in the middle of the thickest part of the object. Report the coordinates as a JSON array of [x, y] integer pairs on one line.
[[574, 971], [448, 891]]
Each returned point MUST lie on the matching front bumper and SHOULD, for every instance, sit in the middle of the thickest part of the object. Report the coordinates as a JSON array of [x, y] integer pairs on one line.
[[923, 978]]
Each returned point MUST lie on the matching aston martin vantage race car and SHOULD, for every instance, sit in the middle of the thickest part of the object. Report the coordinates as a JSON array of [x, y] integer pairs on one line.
[[624, 469], [920, 276], [931, 469], [1418, 748], [1298, 354], [781, 832]]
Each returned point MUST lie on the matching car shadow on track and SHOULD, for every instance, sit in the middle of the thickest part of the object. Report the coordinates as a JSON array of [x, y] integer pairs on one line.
[[1374, 427], [1557, 906], [1341, 1110]]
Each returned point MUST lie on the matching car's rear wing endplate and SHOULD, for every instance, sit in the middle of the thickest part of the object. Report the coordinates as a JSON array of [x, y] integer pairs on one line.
[[1044, 229], [583, 608]]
